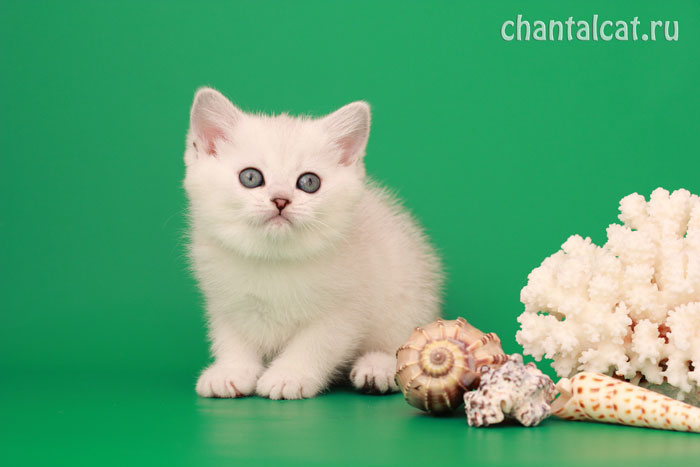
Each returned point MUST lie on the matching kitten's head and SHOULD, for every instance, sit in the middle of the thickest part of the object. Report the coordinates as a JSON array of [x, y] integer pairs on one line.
[[274, 187]]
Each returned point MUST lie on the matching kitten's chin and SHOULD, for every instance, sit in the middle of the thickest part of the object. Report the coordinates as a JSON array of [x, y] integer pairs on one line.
[[281, 238], [288, 237]]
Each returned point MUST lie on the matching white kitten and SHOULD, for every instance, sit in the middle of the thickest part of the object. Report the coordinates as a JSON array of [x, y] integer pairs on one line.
[[301, 280]]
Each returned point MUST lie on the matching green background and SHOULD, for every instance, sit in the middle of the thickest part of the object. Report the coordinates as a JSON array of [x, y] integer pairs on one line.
[[501, 149]]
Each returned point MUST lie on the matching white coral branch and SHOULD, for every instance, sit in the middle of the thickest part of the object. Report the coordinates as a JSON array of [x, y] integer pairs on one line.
[[631, 307]]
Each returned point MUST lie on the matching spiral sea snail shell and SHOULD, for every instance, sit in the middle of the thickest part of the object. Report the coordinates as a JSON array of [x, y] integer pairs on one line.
[[441, 361]]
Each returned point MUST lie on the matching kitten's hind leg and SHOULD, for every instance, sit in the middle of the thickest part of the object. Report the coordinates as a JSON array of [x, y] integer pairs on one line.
[[374, 372]]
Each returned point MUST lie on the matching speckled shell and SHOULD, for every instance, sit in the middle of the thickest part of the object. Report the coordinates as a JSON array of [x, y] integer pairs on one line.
[[599, 398], [441, 361]]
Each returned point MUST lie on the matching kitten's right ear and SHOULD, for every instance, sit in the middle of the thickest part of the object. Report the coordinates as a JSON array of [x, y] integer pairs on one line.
[[211, 118]]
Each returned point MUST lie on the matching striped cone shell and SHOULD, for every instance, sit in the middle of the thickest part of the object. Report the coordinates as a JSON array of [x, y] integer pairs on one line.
[[596, 397], [441, 361]]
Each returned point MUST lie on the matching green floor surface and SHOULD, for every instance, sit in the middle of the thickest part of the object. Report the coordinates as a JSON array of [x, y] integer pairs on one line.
[[151, 420]]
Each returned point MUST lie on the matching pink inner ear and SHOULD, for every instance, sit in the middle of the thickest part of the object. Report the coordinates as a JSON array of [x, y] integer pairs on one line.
[[210, 134], [350, 145]]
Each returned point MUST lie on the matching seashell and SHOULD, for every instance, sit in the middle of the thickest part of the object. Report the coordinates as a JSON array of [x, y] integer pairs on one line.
[[442, 360], [512, 391], [600, 398]]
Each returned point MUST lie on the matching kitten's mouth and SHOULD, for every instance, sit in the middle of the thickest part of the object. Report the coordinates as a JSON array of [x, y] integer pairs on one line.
[[278, 219]]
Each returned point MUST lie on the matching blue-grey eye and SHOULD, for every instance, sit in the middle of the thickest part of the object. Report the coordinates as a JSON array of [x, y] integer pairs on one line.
[[309, 182], [251, 178]]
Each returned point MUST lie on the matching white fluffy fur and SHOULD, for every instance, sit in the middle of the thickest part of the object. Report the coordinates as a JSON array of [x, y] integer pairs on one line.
[[338, 284]]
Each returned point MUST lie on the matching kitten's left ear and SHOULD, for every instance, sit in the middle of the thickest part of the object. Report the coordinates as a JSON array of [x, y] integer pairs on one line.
[[349, 128]]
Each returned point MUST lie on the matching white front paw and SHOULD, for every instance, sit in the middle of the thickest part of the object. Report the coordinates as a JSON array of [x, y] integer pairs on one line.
[[374, 372], [281, 383], [222, 380]]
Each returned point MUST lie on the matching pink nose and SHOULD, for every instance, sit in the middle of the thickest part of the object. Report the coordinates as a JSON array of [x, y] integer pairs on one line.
[[281, 203]]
